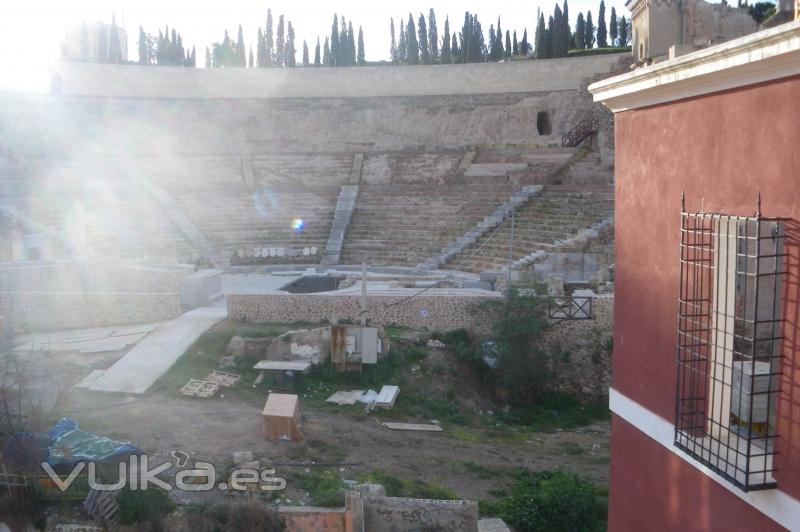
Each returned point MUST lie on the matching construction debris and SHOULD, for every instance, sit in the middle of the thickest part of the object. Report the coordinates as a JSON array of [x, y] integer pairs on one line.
[[281, 417], [413, 426], [387, 396], [200, 388], [224, 378], [436, 344], [343, 397]]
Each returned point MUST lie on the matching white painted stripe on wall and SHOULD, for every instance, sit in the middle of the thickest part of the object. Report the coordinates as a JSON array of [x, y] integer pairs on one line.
[[775, 504]]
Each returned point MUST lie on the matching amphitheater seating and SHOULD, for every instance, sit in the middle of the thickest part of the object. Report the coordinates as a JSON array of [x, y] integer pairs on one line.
[[516, 165], [556, 214], [405, 224]]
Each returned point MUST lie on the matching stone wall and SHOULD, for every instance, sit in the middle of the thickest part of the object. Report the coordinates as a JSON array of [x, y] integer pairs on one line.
[[89, 79], [582, 351], [56, 295], [435, 310], [395, 514]]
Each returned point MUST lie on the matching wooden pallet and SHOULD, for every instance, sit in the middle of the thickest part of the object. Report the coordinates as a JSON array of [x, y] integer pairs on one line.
[[224, 378], [200, 388]]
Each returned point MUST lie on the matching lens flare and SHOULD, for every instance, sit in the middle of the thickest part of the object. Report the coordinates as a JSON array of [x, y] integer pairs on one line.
[[297, 225]]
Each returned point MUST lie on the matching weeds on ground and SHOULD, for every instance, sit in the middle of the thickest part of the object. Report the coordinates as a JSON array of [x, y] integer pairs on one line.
[[549, 501], [324, 486], [414, 488], [481, 471], [143, 506]]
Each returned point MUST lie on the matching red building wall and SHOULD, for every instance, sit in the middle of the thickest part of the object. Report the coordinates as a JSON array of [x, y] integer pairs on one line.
[[720, 149]]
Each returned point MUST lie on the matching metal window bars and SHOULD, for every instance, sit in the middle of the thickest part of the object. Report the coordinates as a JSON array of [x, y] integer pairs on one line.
[[728, 344]]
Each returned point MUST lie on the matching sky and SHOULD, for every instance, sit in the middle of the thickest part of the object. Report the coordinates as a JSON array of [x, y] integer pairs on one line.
[[31, 30]]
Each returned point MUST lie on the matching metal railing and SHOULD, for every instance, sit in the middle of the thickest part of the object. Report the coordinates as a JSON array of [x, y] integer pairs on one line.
[[581, 132]]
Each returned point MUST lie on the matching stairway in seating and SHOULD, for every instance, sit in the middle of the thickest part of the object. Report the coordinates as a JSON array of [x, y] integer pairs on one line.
[[345, 205], [580, 132]]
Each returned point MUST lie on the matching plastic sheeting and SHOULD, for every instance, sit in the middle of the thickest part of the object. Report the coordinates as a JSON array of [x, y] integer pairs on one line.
[[70, 444]]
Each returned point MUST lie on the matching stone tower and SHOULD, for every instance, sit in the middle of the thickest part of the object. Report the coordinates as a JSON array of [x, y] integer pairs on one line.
[[657, 25]]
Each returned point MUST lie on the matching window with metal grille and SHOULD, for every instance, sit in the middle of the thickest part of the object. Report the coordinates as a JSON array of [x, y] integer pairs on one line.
[[729, 333]]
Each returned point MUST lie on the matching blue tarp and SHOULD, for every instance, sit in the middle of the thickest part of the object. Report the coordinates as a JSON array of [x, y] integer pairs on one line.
[[70, 444]]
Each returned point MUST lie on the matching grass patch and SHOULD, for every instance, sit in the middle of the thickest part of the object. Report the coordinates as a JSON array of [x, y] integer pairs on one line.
[[572, 448], [143, 506], [397, 487], [480, 471], [323, 486], [555, 411], [549, 501]]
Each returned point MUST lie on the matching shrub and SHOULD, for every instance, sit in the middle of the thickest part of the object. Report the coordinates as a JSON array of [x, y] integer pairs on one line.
[[143, 505], [418, 489], [547, 501], [324, 486]]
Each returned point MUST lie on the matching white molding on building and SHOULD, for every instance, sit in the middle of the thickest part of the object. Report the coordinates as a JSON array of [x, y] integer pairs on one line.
[[775, 504], [763, 56]]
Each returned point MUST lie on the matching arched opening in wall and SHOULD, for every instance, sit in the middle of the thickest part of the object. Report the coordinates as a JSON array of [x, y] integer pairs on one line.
[[543, 123]]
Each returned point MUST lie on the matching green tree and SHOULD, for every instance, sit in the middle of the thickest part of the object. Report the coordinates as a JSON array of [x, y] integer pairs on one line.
[[455, 52], [261, 50], [362, 60], [145, 48], [524, 47], [612, 27], [540, 42], [499, 41], [289, 49], [280, 43], [566, 32], [508, 49], [602, 31], [445, 57], [589, 38], [305, 53], [412, 44], [761, 11], [351, 45], [548, 36], [251, 60], [623, 31], [317, 59], [494, 55], [433, 36], [193, 58], [269, 42], [393, 45], [327, 56], [208, 58], [114, 49], [334, 53], [559, 40], [515, 45], [424, 49], [580, 32], [240, 49]]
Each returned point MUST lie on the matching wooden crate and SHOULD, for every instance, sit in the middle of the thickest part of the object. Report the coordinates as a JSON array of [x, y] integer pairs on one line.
[[223, 378], [200, 388]]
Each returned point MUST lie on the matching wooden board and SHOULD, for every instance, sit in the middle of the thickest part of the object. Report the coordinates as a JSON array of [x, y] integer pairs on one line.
[[200, 388], [344, 397], [224, 378], [413, 426], [280, 365]]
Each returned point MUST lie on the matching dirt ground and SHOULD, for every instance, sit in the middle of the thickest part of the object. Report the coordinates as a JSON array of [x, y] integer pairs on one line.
[[210, 430]]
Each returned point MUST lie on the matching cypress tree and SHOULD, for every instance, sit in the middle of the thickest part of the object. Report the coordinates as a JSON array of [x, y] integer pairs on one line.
[[566, 31], [524, 46], [589, 39], [602, 32], [412, 45], [317, 60], [85, 42], [305, 53], [362, 60], [114, 49], [548, 37], [143, 56], [327, 58], [433, 36], [402, 45], [556, 34], [445, 57], [541, 39], [334, 52], [515, 46], [492, 44], [208, 58], [500, 51], [280, 43], [466, 37], [102, 47], [251, 60], [240, 49], [261, 50], [393, 45], [344, 45], [623, 31], [269, 44], [580, 33], [289, 49], [193, 58], [612, 26], [455, 52], [508, 49], [351, 45], [424, 49]]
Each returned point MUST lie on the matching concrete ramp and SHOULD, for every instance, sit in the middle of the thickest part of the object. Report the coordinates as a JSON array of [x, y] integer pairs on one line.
[[156, 353]]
